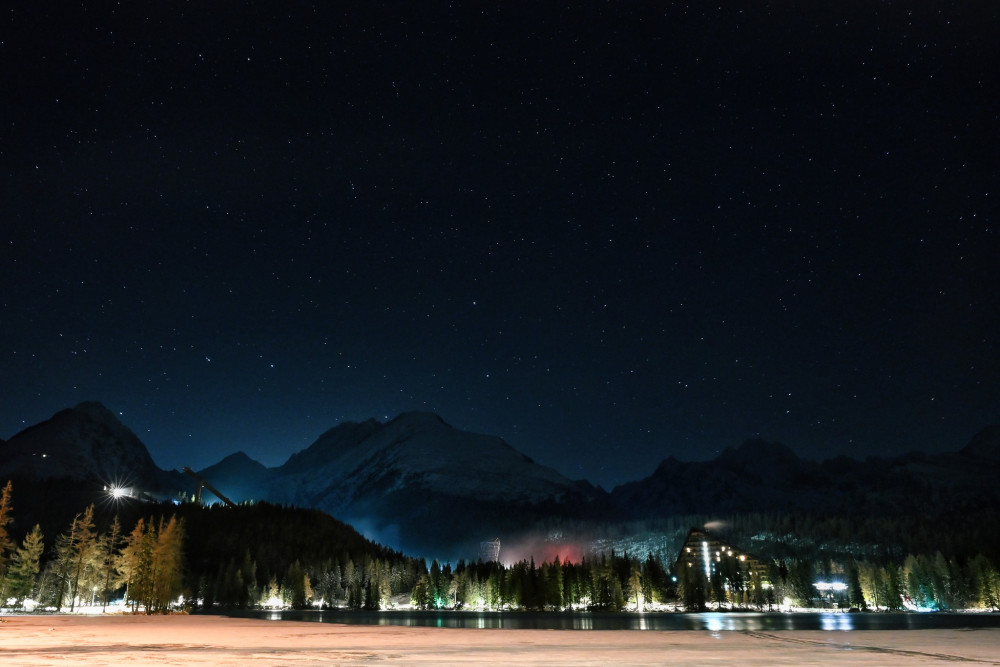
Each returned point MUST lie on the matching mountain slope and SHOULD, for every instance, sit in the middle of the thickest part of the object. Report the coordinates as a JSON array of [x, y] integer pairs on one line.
[[766, 477], [86, 442], [239, 477], [984, 445], [420, 483], [417, 450]]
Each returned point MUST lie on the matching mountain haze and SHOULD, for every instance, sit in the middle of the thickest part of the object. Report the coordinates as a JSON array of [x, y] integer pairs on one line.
[[417, 484]]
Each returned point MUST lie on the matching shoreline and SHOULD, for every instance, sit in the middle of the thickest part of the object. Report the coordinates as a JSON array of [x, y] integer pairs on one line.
[[221, 640]]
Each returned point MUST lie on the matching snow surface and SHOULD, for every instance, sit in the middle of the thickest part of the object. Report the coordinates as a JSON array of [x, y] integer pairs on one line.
[[220, 641]]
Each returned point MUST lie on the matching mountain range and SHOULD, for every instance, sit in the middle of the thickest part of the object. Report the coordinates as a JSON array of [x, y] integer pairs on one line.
[[419, 485]]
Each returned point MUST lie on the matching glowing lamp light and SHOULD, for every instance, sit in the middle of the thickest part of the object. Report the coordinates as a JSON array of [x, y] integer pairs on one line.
[[830, 586]]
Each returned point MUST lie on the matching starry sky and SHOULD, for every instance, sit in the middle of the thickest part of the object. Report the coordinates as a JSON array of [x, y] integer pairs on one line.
[[607, 232]]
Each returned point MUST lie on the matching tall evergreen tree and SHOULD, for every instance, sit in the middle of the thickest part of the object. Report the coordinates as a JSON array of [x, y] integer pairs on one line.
[[135, 565], [893, 588], [167, 563], [109, 547], [6, 541], [76, 555], [855, 593], [295, 586], [635, 587], [800, 582], [25, 566]]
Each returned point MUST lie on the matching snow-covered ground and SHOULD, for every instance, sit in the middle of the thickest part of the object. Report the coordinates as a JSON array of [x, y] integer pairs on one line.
[[220, 641]]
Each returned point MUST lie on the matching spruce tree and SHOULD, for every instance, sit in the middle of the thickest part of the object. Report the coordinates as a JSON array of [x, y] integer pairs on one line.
[[25, 566], [6, 541], [76, 553], [167, 563], [109, 546]]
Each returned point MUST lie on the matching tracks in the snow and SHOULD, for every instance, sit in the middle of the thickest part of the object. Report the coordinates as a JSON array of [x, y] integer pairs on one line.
[[791, 639]]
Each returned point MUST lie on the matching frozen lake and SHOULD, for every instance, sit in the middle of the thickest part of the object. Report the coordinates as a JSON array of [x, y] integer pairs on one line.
[[711, 621], [217, 641]]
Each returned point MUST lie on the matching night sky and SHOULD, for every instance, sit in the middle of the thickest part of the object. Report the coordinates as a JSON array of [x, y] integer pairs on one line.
[[606, 232]]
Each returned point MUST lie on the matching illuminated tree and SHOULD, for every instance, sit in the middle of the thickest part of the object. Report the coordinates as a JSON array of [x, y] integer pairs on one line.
[[135, 565], [987, 583], [893, 588], [800, 582], [76, 556], [654, 580], [717, 587], [109, 544], [384, 583], [6, 541], [758, 596], [329, 585], [354, 585], [607, 586], [420, 596], [271, 594], [941, 582], [635, 587], [553, 583], [167, 564], [855, 590], [372, 588], [692, 588], [437, 585], [293, 592], [25, 566]]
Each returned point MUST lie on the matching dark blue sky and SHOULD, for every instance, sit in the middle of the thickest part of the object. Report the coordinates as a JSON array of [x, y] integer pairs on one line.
[[607, 234]]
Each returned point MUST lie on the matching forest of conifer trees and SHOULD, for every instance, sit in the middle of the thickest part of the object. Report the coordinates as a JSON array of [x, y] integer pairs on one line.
[[152, 558]]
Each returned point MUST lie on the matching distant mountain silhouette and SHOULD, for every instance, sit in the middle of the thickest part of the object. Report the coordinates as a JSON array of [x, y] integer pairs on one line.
[[766, 477], [985, 444], [420, 485], [418, 482], [86, 442], [241, 477]]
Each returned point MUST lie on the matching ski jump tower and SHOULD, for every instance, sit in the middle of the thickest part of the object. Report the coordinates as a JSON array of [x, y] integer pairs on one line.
[[489, 552]]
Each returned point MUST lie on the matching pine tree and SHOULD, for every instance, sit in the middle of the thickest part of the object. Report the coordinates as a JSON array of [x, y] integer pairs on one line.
[[384, 587], [167, 563], [109, 547], [295, 590], [554, 580], [248, 587], [272, 594], [25, 566], [855, 592], [6, 541], [635, 587], [135, 565], [76, 555], [893, 589], [652, 579], [85, 556], [421, 593]]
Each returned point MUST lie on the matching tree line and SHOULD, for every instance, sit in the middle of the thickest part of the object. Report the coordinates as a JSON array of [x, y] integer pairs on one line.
[[264, 555], [85, 565]]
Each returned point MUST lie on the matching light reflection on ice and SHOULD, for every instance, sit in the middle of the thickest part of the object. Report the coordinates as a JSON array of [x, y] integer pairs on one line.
[[714, 621], [717, 622], [836, 622]]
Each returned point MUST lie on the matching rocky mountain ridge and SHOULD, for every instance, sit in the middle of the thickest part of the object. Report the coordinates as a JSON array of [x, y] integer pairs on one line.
[[418, 484]]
